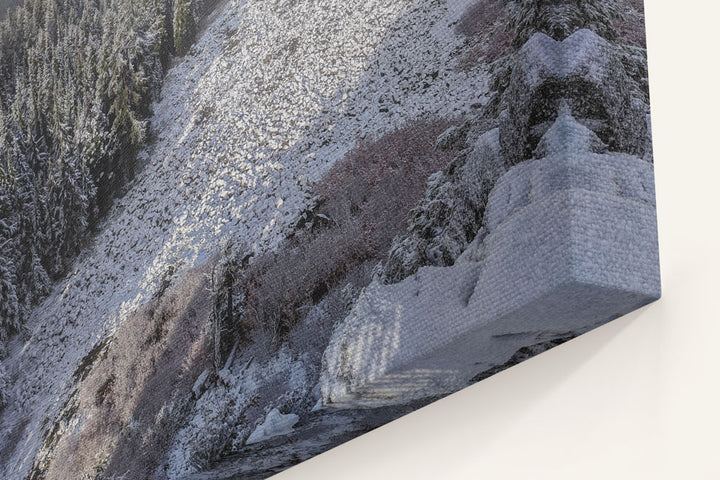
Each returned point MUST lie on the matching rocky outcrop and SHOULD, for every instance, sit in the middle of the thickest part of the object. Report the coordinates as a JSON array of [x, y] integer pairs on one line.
[[514, 229], [540, 230], [585, 71], [569, 242], [558, 19], [271, 96]]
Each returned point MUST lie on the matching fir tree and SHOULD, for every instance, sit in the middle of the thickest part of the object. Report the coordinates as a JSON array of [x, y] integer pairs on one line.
[[76, 82], [10, 312], [184, 26], [560, 18], [4, 386]]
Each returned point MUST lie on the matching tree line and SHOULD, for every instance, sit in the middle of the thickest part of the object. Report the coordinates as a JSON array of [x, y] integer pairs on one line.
[[77, 80]]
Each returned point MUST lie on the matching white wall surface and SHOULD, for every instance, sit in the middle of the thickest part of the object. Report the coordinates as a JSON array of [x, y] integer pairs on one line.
[[638, 398]]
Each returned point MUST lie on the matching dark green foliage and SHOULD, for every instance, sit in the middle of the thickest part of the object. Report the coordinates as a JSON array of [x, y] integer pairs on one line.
[[184, 26], [77, 78]]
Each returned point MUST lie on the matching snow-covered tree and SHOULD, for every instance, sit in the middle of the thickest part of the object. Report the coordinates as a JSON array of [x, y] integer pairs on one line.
[[10, 311], [184, 26], [560, 18], [76, 82], [4, 387]]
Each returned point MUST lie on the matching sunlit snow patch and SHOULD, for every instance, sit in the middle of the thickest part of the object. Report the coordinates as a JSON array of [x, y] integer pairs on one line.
[[275, 424]]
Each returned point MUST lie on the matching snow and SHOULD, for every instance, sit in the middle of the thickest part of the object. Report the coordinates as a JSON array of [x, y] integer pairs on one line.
[[390, 326], [576, 54], [566, 136], [275, 424], [270, 96], [199, 385], [454, 198], [569, 241], [318, 406], [222, 415]]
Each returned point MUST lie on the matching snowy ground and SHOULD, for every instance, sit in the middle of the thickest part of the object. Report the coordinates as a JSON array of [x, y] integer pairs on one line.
[[314, 435], [271, 95]]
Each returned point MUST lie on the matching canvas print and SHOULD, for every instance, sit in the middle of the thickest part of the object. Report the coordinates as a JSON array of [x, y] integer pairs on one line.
[[237, 233]]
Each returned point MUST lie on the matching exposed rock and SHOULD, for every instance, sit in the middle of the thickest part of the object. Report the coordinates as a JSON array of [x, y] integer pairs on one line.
[[583, 70], [568, 129], [523, 354], [582, 76], [243, 129], [560, 18], [453, 136], [449, 216], [569, 241]]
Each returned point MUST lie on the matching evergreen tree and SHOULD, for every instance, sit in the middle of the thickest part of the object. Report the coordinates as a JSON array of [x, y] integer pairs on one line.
[[560, 18], [4, 386], [77, 78], [10, 312], [184, 26]]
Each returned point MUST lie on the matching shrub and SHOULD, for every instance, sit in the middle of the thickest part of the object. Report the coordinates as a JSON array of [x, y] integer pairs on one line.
[[296, 294], [135, 389], [480, 17], [361, 204], [485, 23], [631, 25]]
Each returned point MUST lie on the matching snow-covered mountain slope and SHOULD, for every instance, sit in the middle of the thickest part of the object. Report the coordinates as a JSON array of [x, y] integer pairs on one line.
[[552, 262], [270, 96]]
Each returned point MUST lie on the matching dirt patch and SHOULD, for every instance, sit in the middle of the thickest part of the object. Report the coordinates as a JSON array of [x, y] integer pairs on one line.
[[90, 359]]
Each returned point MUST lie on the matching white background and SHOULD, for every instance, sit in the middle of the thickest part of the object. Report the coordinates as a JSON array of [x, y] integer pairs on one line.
[[638, 398]]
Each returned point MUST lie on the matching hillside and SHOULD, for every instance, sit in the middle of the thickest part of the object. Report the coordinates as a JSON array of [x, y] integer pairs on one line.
[[300, 160]]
